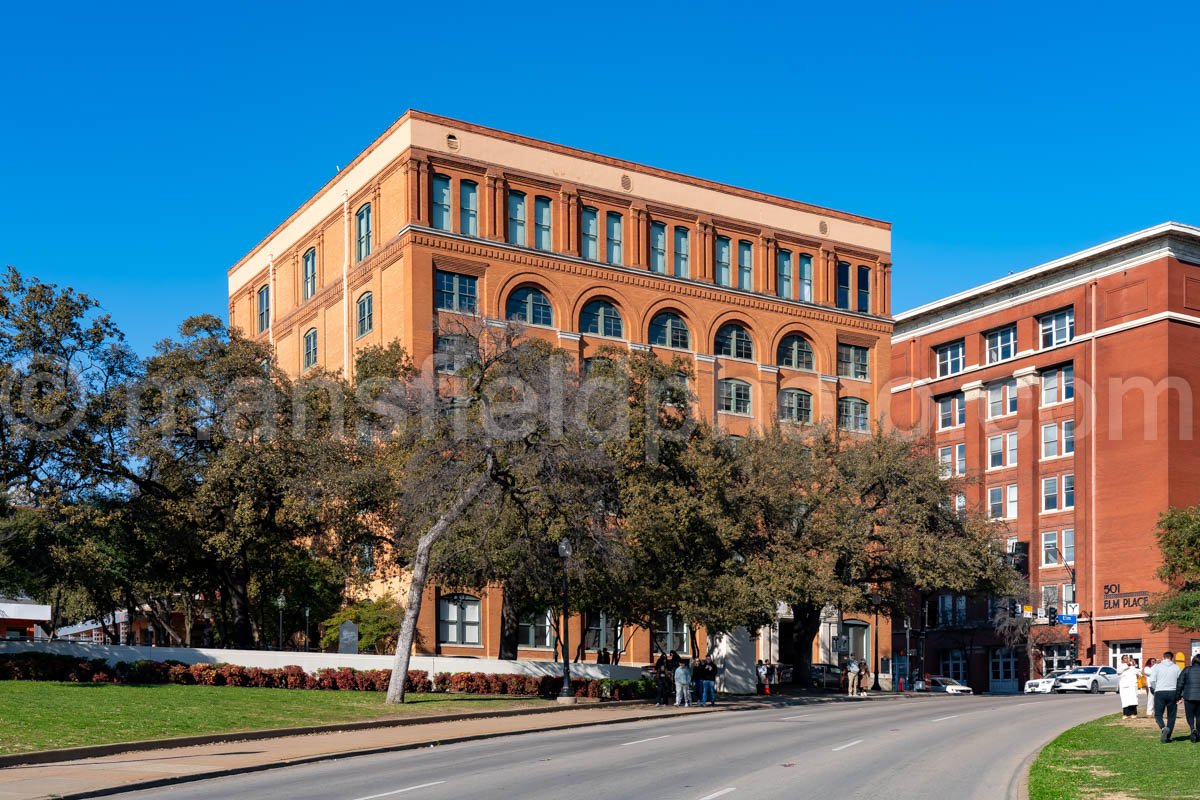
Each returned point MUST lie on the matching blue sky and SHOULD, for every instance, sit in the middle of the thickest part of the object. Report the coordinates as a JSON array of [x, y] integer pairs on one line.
[[145, 148]]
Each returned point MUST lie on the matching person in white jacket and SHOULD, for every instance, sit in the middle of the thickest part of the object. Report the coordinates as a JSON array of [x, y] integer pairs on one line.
[[1150, 662], [1127, 684]]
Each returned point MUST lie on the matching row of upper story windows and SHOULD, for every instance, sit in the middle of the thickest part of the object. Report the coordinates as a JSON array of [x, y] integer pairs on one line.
[[529, 304], [1057, 386], [1001, 344], [1058, 494], [670, 245]]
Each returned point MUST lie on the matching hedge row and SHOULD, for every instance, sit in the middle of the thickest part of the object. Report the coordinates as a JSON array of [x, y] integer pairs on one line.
[[53, 667]]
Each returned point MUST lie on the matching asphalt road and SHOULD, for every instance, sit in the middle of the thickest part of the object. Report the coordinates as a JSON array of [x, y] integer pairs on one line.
[[952, 747]]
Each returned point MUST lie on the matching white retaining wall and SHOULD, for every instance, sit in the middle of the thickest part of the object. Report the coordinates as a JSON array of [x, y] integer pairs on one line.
[[311, 662]]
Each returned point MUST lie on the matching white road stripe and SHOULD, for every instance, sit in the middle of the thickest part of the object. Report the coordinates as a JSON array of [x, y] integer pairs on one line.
[[626, 744], [798, 716], [401, 791], [848, 744], [721, 793], [939, 719]]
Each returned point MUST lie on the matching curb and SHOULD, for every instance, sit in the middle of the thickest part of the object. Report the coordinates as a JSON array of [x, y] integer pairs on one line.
[[116, 748]]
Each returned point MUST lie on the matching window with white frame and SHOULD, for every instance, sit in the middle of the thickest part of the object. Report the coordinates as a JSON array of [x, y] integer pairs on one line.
[[1002, 398], [1057, 328], [733, 396], [952, 411], [1068, 593], [1010, 449], [310, 348], [996, 502], [1050, 494], [670, 633], [946, 461], [535, 631], [1068, 545], [1002, 344], [1068, 491], [1058, 385], [1050, 441], [1068, 436], [960, 503], [954, 664], [1049, 548], [806, 277], [458, 620], [951, 359], [1010, 510], [1050, 597], [960, 459], [365, 314], [995, 452]]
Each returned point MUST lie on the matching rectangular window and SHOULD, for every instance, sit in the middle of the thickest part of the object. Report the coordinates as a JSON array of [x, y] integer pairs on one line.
[[441, 202], [542, 225], [468, 208], [362, 229], [1050, 494], [1050, 597], [264, 308], [864, 289], [682, 251], [995, 452], [843, 285], [733, 396], [724, 266], [1057, 328], [960, 503], [1068, 545], [612, 237], [960, 459], [950, 359], [534, 632], [1050, 441], [1010, 440], [1049, 387], [1068, 382], [456, 292], [1049, 548], [310, 273], [806, 277], [1002, 344], [1011, 511], [946, 461], [783, 274], [452, 354], [590, 234], [1068, 491], [658, 248], [952, 411], [1068, 436], [996, 502], [516, 218], [1002, 399], [601, 633], [745, 265], [853, 361], [1068, 591]]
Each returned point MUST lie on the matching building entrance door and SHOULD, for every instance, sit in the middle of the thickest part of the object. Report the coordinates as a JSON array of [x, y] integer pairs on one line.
[[1118, 649], [1003, 671]]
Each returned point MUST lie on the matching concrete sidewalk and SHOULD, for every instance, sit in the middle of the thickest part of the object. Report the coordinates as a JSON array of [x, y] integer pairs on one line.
[[94, 777]]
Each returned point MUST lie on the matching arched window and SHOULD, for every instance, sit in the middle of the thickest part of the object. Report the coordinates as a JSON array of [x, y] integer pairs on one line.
[[458, 619], [733, 340], [853, 414], [795, 405], [733, 396], [441, 202], [362, 233], [529, 304], [669, 330], [795, 352], [310, 348], [309, 263], [602, 318], [366, 313]]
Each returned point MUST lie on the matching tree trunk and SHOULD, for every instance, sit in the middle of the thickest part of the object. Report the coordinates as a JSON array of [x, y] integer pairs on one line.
[[806, 624], [239, 606], [509, 627], [420, 574]]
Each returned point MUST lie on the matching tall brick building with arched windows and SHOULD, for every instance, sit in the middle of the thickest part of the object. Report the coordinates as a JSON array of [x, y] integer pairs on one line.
[[783, 306]]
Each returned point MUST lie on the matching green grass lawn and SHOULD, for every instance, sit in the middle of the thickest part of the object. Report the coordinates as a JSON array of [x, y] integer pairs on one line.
[[1113, 759], [38, 716]]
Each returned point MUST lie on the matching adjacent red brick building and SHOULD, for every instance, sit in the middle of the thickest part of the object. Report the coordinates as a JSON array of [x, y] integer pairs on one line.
[[1065, 394]]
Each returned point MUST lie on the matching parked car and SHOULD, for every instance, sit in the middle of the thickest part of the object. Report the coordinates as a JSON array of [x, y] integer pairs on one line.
[[1045, 684], [827, 676], [940, 683], [1088, 679]]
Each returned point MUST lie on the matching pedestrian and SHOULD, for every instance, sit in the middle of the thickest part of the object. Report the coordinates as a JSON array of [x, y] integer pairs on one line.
[[1164, 679], [761, 671], [673, 662], [852, 675], [864, 677], [1127, 685], [683, 684], [604, 657], [1187, 687], [1145, 681], [663, 681], [708, 683]]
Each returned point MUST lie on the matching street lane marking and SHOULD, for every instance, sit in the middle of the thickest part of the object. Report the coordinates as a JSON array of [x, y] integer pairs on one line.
[[721, 793], [402, 791], [939, 719], [848, 744], [798, 716], [623, 744]]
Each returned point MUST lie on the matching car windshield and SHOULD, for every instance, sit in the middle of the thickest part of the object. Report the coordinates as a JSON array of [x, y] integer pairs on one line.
[[1084, 671], [947, 681]]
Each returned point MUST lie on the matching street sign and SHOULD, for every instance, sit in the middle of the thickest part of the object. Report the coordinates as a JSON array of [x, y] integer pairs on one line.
[[1041, 612], [1027, 612], [1073, 609], [1067, 619], [1074, 629]]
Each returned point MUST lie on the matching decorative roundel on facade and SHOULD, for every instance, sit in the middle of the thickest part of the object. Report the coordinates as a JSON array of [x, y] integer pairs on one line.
[[452, 142], [626, 182], [824, 227]]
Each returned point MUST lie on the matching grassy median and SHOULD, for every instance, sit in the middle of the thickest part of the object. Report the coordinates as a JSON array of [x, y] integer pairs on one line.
[[1115, 759], [40, 716]]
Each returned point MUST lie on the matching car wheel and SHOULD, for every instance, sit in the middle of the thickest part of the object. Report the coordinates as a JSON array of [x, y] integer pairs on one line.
[[1094, 688]]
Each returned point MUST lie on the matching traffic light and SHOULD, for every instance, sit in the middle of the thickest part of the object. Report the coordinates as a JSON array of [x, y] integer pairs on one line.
[[1074, 647], [1014, 608], [1052, 616]]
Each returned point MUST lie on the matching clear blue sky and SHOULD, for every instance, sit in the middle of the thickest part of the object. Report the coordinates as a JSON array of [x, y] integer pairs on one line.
[[144, 148]]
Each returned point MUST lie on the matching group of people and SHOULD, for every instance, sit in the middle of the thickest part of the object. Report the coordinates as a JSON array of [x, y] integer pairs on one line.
[[691, 684], [858, 676], [1167, 685]]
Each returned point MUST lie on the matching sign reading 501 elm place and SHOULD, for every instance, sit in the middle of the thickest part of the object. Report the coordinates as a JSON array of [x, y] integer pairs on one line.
[[1114, 598]]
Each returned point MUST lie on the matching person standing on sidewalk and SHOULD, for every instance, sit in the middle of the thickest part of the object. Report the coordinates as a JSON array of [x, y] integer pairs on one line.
[[708, 683], [662, 680], [683, 684], [852, 676], [1150, 662], [1163, 679], [1187, 687], [1127, 687]]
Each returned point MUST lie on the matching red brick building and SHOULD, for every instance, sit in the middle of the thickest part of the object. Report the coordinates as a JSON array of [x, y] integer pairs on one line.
[[1066, 395]]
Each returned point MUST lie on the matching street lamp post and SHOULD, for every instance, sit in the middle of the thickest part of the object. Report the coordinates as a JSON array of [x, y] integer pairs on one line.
[[306, 640], [565, 696], [280, 602], [876, 601]]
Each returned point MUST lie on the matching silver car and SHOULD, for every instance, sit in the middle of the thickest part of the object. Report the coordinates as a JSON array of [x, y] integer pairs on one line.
[[1044, 685], [1087, 679]]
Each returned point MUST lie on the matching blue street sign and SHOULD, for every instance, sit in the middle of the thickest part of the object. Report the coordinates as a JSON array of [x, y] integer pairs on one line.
[[1067, 619]]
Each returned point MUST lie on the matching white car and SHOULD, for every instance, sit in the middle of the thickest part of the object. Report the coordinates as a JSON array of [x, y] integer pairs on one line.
[[1088, 679], [940, 683], [1044, 685]]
